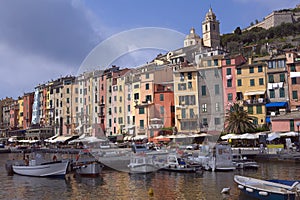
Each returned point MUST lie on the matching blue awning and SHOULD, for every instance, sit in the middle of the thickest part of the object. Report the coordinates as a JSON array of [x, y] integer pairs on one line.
[[268, 119], [276, 104]]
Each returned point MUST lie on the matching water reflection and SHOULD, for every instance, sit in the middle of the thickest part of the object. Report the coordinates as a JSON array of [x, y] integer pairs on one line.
[[120, 185]]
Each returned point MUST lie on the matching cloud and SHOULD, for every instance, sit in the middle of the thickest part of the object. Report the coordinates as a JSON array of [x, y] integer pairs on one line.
[[40, 40]]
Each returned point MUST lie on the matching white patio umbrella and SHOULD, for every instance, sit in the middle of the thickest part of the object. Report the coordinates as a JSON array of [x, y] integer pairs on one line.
[[228, 136]]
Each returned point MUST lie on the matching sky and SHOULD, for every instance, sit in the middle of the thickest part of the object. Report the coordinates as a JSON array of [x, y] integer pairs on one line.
[[42, 40]]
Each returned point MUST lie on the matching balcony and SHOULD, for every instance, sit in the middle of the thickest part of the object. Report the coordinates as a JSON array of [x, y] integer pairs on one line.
[[258, 101], [101, 103], [156, 126], [101, 115]]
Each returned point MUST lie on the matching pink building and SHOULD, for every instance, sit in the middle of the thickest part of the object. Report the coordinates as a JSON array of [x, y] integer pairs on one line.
[[229, 79], [286, 123]]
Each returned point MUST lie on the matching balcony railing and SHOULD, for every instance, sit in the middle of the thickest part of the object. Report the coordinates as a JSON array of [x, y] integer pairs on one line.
[[255, 101]]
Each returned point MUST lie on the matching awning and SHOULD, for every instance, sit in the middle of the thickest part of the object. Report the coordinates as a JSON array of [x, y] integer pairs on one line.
[[295, 74], [258, 92], [273, 136], [51, 138], [276, 104], [61, 139], [139, 137]]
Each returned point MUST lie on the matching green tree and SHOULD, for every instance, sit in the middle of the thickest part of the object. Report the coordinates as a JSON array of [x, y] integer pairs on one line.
[[238, 121]]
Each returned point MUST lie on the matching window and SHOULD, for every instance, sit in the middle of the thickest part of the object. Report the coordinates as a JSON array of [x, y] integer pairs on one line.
[[239, 82], [136, 96], [190, 76], [162, 110], [228, 71], [252, 83], [295, 94], [294, 81], [292, 125], [260, 69], [261, 81], [251, 70], [148, 98], [120, 99], [128, 108], [182, 86], [136, 86], [229, 96], [68, 90], [228, 62], [147, 75], [281, 92], [183, 113], [272, 94], [161, 97], [217, 89], [215, 62], [190, 85], [204, 107], [293, 68], [229, 82], [203, 90], [142, 124], [282, 77], [147, 86], [182, 76], [218, 107], [209, 63], [258, 110], [271, 78], [217, 121], [239, 71], [142, 110], [192, 114], [204, 122], [250, 109]]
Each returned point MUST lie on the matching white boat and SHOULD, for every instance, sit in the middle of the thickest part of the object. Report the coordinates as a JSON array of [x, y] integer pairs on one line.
[[142, 164], [88, 168], [48, 169], [263, 189], [178, 164], [216, 158]]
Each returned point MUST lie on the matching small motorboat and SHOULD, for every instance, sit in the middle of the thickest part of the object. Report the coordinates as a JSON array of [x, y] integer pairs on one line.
[[178, 164], [267, 189], [241, 162], [142, 164]]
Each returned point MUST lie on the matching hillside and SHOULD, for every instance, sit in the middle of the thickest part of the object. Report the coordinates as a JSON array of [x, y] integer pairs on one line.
[[259, 40]]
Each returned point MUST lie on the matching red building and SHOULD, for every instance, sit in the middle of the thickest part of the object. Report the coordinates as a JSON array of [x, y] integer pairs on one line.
[[28, 99], [162, 114]]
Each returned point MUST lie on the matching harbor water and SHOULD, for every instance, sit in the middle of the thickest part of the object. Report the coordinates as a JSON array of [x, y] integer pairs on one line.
[[120, 185]]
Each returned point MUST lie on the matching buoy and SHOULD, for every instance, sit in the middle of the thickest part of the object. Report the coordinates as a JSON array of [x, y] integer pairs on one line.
[[150, 192], [225, 190], [263, 193], [241, 187]]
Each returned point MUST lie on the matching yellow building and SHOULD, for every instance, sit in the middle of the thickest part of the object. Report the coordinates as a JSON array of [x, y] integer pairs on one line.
[[251, 89], [186, 99], [20, 117]]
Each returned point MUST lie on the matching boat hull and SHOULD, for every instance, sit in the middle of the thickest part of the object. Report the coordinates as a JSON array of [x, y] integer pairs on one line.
[[143, 168], [90, 169], [266, 190], [51, 169]]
